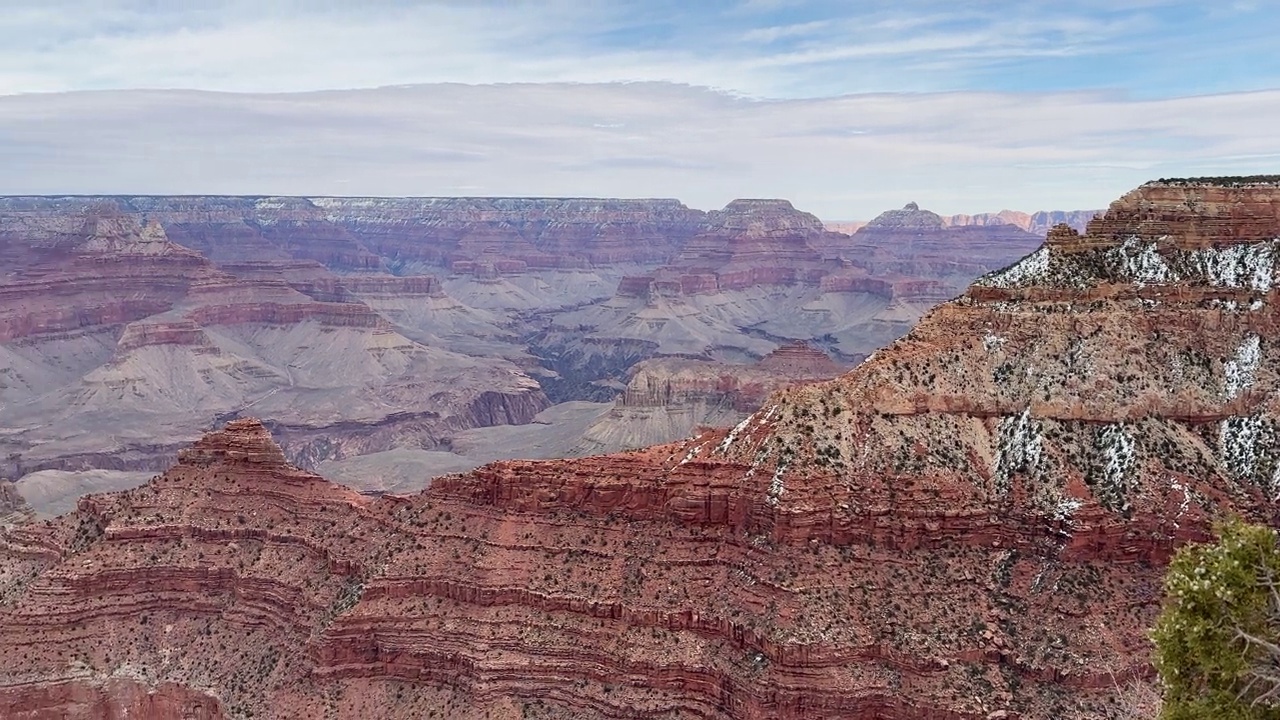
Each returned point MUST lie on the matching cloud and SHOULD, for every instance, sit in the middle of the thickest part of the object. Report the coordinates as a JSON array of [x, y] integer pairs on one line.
[[846, 157], [760, 48]]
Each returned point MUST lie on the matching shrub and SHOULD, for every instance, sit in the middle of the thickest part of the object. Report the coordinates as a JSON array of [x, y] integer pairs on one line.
[[1218, 637]]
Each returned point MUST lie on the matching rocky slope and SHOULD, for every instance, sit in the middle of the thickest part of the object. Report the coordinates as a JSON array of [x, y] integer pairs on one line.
[[749, 243], [972, 524], [917, 243], [574, 290], [364, 325]]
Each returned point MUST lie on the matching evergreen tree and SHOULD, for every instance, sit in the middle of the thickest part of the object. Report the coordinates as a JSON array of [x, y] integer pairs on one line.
[[1218, 637]]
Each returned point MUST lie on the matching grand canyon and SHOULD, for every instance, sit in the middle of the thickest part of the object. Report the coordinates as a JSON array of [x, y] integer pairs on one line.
[[822, 500], [387, 341]]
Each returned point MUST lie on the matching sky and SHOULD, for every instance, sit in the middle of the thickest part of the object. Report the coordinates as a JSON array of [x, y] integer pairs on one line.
[[846, 108]]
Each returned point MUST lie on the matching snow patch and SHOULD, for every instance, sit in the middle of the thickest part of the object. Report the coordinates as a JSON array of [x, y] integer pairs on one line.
[[776, 487], [733, 434], [1140, 262], [1066, 509], [691, 454], [1018, 447], [991, 341], [1251, 266], [1186, 500], [1241, 371], [1238, 441], [1119, 456], [1118, 448], [1027, 271]]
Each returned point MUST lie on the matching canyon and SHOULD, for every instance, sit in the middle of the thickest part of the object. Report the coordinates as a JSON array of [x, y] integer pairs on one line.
[[407, 329], [971, 524]]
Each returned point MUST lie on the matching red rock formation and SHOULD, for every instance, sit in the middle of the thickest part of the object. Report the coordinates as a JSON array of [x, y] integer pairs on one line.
[[917, 244], [675, 381], [369, 234], [1036, 223], [114, 699]]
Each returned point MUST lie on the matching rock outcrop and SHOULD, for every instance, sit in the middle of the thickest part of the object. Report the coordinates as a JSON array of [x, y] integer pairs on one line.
[[467, 234], [666, 399], [971, 524], [1037, 223], [13, 508], [916, 243]]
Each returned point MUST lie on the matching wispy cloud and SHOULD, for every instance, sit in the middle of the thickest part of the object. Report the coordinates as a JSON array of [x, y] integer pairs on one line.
[[762, 48], [779, 32], [845, 158]]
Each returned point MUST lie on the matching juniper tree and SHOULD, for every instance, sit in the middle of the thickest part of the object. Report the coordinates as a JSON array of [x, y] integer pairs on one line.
[[1218, 637]]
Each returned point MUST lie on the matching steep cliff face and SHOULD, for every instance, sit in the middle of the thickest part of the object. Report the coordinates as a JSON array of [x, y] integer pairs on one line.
[[766, 274], [755, 277], [971, 524], [587, 286], [374, 234]]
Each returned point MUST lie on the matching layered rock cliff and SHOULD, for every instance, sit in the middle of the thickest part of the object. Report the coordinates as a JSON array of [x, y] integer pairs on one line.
[[917, 243], [586, 286], [763, 274], [667, 399], [372, 234], [1037, 223], [971, 524]]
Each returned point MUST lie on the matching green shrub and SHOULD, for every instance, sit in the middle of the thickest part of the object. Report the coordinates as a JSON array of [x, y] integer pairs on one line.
[[1216, 638]]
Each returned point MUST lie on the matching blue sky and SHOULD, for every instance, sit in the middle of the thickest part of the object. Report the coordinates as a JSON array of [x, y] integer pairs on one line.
[[761, 48], [844, 107]]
